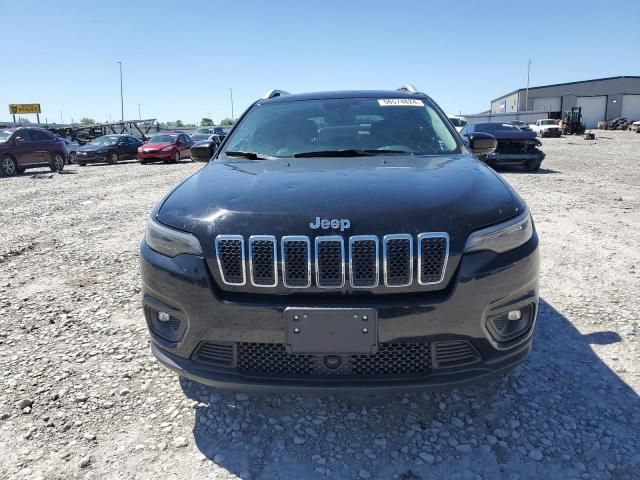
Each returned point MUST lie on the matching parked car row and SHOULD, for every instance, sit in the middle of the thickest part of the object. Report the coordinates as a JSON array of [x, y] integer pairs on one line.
[[30, 147]]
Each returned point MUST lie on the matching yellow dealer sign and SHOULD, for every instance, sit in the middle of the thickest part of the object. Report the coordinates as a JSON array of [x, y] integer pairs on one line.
[[18, 108]]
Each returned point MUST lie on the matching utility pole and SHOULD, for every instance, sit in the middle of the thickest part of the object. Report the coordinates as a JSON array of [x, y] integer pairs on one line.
[[139, 115], [526, 98], [231, 93], [121, 96], [61, 117]]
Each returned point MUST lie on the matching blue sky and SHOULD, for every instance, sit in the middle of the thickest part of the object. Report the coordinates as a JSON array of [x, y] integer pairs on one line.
[[181, 58]]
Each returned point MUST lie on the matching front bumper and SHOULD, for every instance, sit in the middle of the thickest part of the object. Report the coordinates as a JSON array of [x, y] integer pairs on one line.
[[151, 157], [512, 158], [99, 158], [485, 284]]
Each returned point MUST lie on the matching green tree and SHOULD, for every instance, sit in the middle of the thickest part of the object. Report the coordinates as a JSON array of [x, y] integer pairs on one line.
[[87, 121], [178, 123], [226, 122], [23, 120], [206, 122]]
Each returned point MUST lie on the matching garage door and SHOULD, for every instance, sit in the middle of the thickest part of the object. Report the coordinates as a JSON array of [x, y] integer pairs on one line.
[[593, 109], [631, 107], [549, 104]]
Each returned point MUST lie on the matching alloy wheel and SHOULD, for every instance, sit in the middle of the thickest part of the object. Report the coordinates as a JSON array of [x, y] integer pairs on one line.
[[8, 166]]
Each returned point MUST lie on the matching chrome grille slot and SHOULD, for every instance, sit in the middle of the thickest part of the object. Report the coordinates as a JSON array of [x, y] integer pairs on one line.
[[363, 261], [433, 251], [263, 260], [296, 262], [330, 262], [398, 260], [230, 254]]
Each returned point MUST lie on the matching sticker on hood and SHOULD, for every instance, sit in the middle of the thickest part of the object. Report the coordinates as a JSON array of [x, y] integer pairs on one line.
[[400, 102]]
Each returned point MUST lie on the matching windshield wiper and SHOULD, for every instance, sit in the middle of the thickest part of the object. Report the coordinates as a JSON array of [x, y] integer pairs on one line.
[[350, 152], [249, 155]]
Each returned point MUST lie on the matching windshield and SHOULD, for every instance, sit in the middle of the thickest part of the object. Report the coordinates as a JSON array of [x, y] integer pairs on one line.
[[106, 140], [203, 131], [547, 122], [163, 139], [5, 135], [331, 125], [492, 127]]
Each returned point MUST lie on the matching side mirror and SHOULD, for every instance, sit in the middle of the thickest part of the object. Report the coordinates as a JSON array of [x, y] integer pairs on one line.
[[18, 140], [482, 143], [203, 151]]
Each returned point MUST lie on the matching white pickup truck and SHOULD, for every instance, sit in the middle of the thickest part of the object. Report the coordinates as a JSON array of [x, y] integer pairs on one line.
[[546, 128]]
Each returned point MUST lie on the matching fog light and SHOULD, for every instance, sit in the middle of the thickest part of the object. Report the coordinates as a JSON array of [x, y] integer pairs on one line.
[[164, 316], [514, 315]]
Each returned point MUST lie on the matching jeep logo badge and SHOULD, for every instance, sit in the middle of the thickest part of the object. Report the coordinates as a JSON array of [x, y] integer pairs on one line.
[[334, 223]]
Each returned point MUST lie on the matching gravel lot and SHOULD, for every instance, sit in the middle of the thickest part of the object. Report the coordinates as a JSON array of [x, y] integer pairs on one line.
[[82, 397]]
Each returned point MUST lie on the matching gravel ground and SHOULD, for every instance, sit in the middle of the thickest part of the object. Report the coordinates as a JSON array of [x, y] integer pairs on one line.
[[82, 397]]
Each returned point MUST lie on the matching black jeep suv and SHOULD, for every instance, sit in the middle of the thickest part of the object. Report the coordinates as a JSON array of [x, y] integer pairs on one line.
[[345, 241]]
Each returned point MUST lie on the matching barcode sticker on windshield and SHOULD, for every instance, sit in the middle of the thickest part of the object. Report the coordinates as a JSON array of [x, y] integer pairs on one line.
[[400, 102]]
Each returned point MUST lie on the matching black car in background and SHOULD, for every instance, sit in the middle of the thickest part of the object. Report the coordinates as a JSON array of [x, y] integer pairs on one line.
[[515, 147], [108, 149], [341, 240], [22, 148]]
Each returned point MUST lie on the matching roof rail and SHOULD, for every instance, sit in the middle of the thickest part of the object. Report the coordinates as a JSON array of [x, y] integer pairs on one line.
[[408, 88], [274, 93]]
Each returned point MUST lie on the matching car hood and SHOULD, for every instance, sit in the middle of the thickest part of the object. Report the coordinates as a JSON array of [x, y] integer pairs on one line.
[[378, 195], [156, 146], [94, 148]]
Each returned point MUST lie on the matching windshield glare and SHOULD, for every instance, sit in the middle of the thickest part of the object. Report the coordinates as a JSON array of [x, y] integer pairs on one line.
[[163, 139], [288, 128], [492, 127], [204, 131], [547, 122], [5, 135], [106, 140]]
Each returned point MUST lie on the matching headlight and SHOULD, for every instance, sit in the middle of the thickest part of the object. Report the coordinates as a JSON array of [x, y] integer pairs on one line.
[[171, 242], [167, 149], [139, 149], [502, 237]]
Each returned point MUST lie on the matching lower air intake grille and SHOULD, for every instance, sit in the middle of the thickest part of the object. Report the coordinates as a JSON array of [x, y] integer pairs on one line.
[[272, 358], [391, 359], [394, 359], [454, 354], [215, 353], [230, 253]]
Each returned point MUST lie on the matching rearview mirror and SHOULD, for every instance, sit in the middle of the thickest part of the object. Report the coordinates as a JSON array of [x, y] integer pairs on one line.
[[482, 143], [203, 151]]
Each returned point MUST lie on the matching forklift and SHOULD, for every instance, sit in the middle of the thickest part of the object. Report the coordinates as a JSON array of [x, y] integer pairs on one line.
[[572, 122]]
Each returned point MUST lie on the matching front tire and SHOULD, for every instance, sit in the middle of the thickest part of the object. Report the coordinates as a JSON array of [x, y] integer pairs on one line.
[[533, 165], [72, 158], [176, 158], [57, 163], [8, 166], [113, 158]]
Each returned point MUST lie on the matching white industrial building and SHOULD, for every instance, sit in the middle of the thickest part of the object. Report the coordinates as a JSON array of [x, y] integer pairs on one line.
[[600, 99]]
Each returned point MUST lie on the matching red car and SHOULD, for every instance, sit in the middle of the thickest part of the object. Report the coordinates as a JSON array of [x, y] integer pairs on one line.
[[168, 147]]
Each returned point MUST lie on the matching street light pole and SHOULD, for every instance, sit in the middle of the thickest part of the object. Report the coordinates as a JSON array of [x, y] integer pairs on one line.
[[231, 93], [121, 95], [526, 98], [139, 115]]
